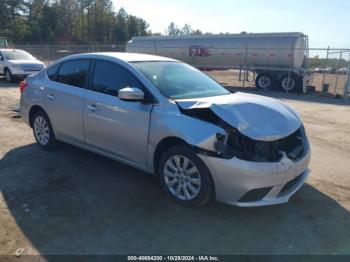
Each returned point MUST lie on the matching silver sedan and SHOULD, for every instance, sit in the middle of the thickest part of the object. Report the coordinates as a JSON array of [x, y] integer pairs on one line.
[[169, 119]]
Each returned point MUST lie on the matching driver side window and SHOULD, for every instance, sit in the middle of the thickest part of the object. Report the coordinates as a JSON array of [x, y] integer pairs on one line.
[[109, 78]]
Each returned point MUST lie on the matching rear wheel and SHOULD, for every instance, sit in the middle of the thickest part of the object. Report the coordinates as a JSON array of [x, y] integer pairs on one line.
[[185, 177], [42, 130], [263, 82], [290, 83]]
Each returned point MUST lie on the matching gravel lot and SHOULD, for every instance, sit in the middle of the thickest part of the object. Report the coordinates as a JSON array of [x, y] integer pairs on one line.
[[70, 201]]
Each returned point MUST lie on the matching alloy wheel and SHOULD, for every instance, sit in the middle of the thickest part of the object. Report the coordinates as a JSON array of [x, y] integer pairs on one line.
[[8, 76], [41, 130], [182, 177]]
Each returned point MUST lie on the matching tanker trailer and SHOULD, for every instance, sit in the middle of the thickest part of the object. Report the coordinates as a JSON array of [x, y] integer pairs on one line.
[[277, 59]]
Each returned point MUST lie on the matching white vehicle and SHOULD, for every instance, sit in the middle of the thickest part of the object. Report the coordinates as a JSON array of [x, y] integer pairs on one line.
[[15, 63], [343, 70]]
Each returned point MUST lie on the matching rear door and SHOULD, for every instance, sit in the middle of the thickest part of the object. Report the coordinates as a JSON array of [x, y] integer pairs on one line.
[[65, 99], [111, 125]]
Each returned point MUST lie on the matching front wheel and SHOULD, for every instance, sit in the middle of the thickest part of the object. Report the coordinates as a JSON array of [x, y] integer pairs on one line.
[[185, 177], [8, 75]]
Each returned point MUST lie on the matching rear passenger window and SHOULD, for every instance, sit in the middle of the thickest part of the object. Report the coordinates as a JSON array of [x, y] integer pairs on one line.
[[51, 72], [109, 78], [74, 73]]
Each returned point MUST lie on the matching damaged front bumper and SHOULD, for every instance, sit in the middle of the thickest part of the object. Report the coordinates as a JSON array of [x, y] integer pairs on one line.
[[247, 184]]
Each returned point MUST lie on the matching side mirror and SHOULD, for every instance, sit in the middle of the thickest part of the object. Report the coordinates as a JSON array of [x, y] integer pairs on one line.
[[131, 94], [1, 58]]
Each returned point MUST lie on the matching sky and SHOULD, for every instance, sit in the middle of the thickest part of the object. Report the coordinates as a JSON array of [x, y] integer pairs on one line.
[[326, 22]]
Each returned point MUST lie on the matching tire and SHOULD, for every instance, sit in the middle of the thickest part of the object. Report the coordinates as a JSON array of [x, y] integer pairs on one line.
[[264, 82], [42, 130], [8, 75], [293, 86], [195, 178]]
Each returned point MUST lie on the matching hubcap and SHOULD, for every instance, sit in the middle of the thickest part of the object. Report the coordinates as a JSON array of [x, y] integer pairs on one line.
[[264, 82], [8, 76], [182, 177], [288, 86], [41, 130]]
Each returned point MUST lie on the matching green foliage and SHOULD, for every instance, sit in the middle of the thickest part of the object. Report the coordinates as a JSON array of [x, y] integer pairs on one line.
[[67, 21], [322, 63], [174, 30], [17, 29]]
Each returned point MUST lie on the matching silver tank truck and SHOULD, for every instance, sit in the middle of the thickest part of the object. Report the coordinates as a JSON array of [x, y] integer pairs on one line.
[[276, 59]]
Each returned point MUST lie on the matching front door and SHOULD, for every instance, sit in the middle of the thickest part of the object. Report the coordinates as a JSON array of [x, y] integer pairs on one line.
[[111, 125]]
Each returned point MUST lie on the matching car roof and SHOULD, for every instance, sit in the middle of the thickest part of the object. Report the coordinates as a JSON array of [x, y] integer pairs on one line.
[[127, 57]]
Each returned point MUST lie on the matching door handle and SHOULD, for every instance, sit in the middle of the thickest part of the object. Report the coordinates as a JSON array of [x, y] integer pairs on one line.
[[51, 97], [92, 108]]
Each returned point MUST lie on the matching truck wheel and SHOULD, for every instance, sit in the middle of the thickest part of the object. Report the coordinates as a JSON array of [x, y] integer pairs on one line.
[[8, 75], [184, 176], [290, 84], [263, 82]]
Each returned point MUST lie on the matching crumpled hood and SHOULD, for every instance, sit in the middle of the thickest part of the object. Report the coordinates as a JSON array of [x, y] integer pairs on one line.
[[258, 117]]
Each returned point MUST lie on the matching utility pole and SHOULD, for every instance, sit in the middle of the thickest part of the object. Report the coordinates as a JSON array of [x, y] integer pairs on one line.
[[324, 68], [347, 85], [82, 20]]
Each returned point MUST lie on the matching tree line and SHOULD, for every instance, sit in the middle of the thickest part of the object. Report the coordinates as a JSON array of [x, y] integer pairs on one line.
[[67, 21], [73, 21], [321, 63], [175, 30]]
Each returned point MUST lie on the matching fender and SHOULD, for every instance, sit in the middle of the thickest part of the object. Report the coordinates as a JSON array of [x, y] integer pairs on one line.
[[195, 132]]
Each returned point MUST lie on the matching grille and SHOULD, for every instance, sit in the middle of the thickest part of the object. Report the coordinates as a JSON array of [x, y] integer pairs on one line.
[[31, 67]]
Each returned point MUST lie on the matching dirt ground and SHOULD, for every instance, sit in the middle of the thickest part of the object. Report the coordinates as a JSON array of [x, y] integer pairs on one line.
[[70, 201]]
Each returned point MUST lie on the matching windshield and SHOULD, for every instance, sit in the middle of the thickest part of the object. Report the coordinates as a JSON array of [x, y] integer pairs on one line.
[[17, 55], [180, 81]]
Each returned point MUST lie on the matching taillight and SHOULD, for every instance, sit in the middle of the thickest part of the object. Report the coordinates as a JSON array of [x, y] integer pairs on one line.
[[23, 86]]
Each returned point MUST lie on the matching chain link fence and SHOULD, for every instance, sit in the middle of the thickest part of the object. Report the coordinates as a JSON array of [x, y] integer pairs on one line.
[[333, 77], [328, 69], [50, 53]]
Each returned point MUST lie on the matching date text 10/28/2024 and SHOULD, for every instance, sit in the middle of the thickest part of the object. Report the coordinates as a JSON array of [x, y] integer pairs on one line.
[[173, 258]]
